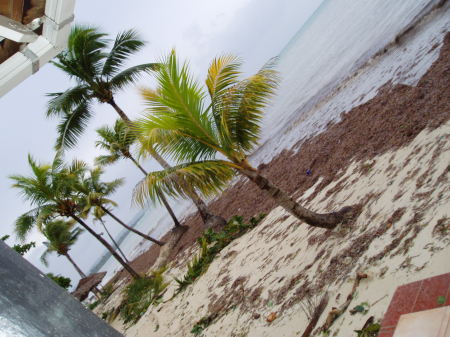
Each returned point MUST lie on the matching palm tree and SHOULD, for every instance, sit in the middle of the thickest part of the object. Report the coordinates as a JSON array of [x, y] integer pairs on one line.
[[98, 76], [94, 194], [50, 190], [98, 215], [211, 132], [117, 141], [61, 236]]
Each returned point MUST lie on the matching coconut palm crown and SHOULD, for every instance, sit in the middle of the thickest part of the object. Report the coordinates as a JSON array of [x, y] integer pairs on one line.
[[61, 235], [98, 74], [211, 131]]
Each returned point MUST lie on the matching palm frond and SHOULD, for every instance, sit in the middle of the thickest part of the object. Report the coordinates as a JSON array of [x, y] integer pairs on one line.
[[125, 44], [131, 75], [180, 100], [208, 177], [242, 107], [25, 223], [72, 126], [85, 53], [67, 101]]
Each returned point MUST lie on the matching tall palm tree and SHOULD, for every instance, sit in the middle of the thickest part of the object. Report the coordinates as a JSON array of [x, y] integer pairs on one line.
[[98, 76], [61, 236], [98, 215], [94, 193], [50, 189], [117, 142], [211, 132]]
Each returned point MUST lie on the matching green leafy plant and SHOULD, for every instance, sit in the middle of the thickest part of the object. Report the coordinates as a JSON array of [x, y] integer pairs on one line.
[[93, 305], [202, 324], [441, 300], [211, 243], [140, 294], [60, 280], [370, 330], [21, 249]]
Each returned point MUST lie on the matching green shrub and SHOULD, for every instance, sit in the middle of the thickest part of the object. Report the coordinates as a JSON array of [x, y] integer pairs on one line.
[[93, 305], [140, 294], [60, 280], [211, 243]]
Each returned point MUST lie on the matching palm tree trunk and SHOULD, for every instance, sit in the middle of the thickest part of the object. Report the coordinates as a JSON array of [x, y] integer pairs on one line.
[[327, 220], [149, 238], [160, 195], [83, 275], [125, 265], [120, 112], [95, 290], [114, 241], [209, 219]]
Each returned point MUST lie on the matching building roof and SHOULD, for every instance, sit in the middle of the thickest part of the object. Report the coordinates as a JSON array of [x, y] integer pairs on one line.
[[31, 33]]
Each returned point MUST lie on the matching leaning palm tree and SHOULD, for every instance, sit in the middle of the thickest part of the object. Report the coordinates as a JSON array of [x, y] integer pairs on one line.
[[94, 193], [211, 132], [98, 76], [61, 236], [50, 189], [98, 216], [117, 142]]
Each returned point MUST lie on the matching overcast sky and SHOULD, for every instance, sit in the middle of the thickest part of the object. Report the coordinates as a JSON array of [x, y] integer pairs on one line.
[[255, 30]]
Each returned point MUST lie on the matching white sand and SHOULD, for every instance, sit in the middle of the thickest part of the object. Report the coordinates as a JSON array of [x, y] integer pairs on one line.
[[260, 255]]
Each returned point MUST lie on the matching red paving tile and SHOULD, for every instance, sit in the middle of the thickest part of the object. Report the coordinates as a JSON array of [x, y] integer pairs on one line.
[[430, 291], [389, 332], [402, 302], [413, 297]]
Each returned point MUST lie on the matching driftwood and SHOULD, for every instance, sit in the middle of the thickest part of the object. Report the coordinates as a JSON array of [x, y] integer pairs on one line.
[[336, 312], [314, 318]]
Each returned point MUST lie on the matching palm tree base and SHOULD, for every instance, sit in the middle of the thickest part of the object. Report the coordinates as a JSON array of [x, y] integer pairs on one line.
[[166, 251], [214, 221]]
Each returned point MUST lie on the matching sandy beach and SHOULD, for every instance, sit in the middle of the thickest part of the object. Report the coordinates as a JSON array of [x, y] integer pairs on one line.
[[390, 155]]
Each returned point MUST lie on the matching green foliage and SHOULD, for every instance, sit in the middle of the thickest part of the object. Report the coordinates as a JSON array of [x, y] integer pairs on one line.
[[98, 74], [140, 294], [370, 330], [208, 131], [441, 300], [107, 291], [93, 305], [211, 243], [21, 249], [60, 280], [202, 324], [362, 308]]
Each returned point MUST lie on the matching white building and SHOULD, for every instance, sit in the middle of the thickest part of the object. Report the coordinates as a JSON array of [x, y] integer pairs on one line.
[[32, 32]]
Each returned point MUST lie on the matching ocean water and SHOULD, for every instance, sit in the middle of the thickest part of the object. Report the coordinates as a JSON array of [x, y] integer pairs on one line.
[[319, 80]]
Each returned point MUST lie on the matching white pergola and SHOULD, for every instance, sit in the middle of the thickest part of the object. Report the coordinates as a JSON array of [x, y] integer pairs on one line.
[[38, 49]]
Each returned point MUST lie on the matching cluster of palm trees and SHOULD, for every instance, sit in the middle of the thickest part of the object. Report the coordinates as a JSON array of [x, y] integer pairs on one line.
[[207, 131]]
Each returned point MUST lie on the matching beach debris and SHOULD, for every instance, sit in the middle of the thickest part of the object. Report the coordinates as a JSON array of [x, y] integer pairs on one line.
[[336, 312], [271, 317], [308, 172], [315, 315], [256, 315], [370, 329], [362, 308], [86, 285]]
